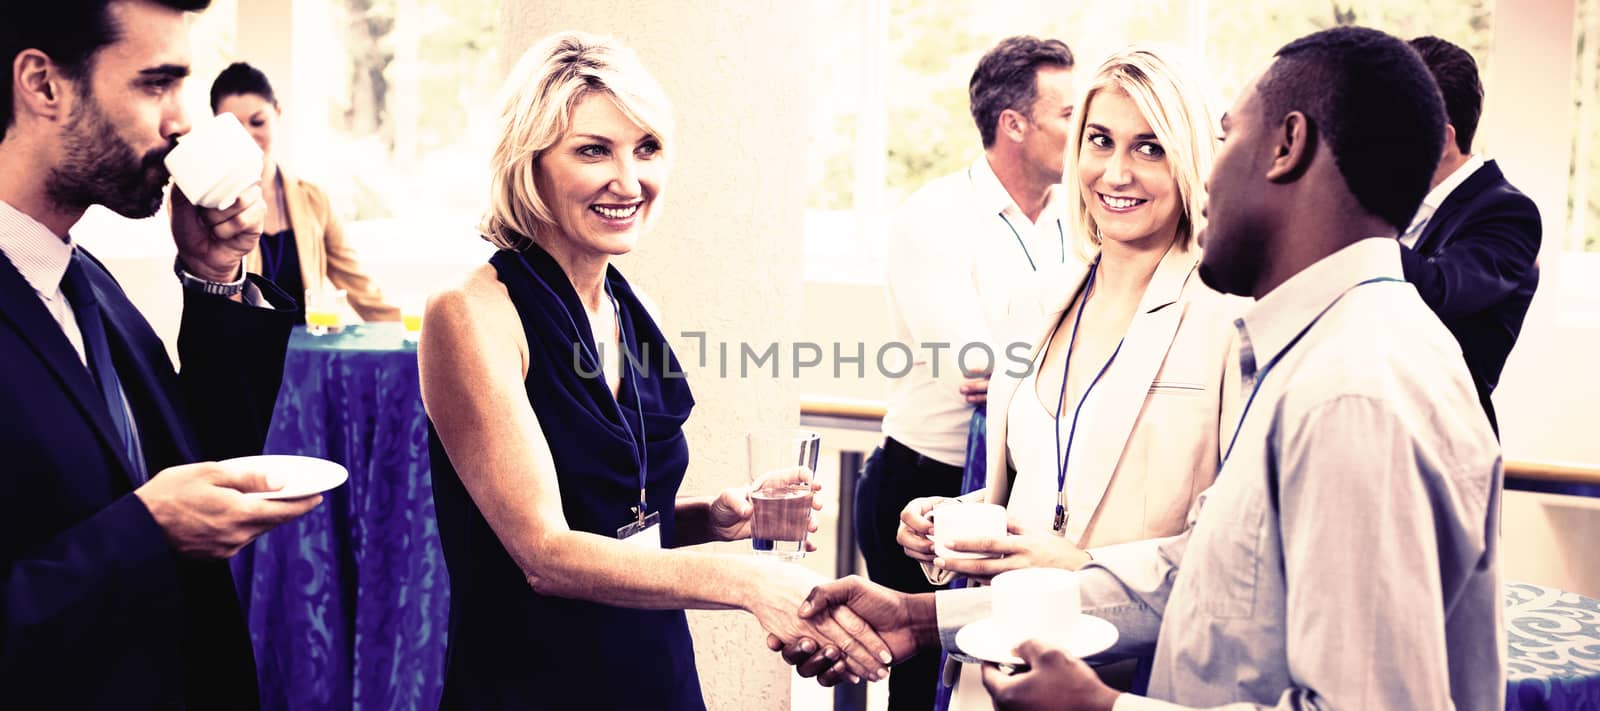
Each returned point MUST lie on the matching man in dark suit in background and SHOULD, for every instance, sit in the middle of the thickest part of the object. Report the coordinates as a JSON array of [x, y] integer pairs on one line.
[[1472, 248], [115, 591]]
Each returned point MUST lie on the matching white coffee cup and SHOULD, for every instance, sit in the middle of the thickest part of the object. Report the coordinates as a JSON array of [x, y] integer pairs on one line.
[[1035, 603], [215, 162], [960, 521]]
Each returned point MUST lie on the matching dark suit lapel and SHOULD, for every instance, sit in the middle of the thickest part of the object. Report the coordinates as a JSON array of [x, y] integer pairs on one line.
[[20, 305], [146, 374], [1433, 237]]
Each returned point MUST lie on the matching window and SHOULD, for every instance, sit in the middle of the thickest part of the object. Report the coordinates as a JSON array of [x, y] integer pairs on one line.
[[405, 91], [1583, 204], [1241, 35]]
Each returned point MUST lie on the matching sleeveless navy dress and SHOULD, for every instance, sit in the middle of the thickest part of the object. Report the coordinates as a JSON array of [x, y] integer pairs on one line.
[[510, 647]]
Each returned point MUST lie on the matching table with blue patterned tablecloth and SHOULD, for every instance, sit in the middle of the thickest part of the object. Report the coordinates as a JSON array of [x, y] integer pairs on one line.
[[348, 605], [1552, 649]]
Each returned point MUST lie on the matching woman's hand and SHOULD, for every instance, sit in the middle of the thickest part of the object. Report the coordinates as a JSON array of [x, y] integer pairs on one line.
[[915, 525], [777, 592], [1024, 550], [731, 511]]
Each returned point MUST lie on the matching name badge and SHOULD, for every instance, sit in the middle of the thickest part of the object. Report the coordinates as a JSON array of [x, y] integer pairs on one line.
[[645, 533]]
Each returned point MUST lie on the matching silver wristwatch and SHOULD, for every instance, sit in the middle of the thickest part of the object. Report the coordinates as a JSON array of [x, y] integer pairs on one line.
[[214, 288]]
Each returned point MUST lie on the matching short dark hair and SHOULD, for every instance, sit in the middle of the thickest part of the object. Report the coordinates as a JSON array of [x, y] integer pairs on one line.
[[1006, 78], [70, 31], [1370, 97], [1456, 73], [241, 78]]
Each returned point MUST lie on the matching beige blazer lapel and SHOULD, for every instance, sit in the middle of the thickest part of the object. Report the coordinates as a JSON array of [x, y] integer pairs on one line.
[[1107, 420], [305, 225]]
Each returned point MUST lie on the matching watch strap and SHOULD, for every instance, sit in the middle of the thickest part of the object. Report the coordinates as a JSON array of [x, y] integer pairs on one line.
[[214, 288]]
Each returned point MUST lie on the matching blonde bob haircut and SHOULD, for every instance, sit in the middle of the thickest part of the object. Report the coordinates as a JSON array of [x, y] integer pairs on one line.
[[537, 102], [1177, 110]]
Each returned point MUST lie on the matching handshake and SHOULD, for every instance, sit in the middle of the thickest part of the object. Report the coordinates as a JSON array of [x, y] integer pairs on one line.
[[856, 629], [852, 629]]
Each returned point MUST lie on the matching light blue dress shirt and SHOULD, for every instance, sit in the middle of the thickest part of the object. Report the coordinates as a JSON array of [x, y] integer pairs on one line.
[[1347, 557]]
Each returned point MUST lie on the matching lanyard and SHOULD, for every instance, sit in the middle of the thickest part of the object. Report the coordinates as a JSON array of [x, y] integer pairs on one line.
[[641, 449], [1063, 457], [1261, 375], [1060, 235]]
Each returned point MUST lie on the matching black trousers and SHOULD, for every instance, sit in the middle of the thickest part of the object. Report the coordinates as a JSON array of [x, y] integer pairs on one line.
[[894, 475]]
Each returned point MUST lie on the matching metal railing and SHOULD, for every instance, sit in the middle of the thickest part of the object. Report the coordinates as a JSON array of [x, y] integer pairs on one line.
[[868, 414]]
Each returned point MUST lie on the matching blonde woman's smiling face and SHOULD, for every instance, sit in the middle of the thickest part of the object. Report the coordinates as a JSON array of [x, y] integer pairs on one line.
[[602, 179], [1123, 173]]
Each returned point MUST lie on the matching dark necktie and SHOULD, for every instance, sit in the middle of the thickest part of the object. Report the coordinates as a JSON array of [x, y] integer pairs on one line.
[[75, 284]]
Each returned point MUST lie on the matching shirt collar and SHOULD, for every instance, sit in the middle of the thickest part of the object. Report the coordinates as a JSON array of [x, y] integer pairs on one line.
[[1279, 316], [1436, 196], [993, 197], [39, 254]]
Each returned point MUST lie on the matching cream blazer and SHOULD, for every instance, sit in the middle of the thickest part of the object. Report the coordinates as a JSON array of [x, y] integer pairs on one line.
[[1150, 440], [324, 254]]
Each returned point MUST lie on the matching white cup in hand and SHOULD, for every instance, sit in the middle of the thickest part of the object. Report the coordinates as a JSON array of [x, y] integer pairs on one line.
[[963, 521], [215, 162], [1035, 603]]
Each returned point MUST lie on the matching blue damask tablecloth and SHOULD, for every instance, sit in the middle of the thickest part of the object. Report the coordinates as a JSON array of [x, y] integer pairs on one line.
[[348, 606], [1553, 649]]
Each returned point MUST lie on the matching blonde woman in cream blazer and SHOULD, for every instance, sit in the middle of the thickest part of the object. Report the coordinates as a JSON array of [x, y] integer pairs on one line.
[[1114, 427], [1147, 440]]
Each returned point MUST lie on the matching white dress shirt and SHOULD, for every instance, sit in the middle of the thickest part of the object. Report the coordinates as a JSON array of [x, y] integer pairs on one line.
[[42, 258], [1347, 556], [1435, 198], [957, 249]]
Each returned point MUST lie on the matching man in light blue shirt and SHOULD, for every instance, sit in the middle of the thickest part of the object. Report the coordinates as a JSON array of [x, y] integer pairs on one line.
[[1347, 556]]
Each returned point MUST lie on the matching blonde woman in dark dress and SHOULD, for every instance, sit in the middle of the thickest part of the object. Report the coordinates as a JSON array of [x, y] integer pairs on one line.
[[542, 472]]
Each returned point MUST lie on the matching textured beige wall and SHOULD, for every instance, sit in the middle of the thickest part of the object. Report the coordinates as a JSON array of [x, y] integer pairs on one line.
[[725, 256]]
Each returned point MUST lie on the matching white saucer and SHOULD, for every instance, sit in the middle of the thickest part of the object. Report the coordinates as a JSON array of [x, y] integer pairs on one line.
[[1090, 635], [301, 476], [940, 550]]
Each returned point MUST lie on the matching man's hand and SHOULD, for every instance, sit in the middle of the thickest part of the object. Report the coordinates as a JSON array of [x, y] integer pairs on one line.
[[1054, 680], [905, 623], [212, 243], [976, 390], [851, 640], [204, 512], [915, 525], [730, 513], [1025, 550]]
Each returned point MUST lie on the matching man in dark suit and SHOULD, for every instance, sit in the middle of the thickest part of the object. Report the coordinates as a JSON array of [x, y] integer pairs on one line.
[[115, 591], [1472, 250]]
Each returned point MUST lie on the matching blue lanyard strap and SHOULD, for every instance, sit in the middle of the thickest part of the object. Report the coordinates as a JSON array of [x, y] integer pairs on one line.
[[1063, 457], [1261, 375], [641, 448], [1061, 236]]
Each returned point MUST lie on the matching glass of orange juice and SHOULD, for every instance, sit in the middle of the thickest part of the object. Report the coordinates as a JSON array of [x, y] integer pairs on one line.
[[411, 318], [323, 307]]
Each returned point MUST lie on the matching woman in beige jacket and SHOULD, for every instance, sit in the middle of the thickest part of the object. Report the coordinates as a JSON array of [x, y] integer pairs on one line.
[[1113, 427], [303, 246]]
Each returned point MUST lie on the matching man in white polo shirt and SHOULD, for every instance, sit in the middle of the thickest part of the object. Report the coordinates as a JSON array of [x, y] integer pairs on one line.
[[958, 248]]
